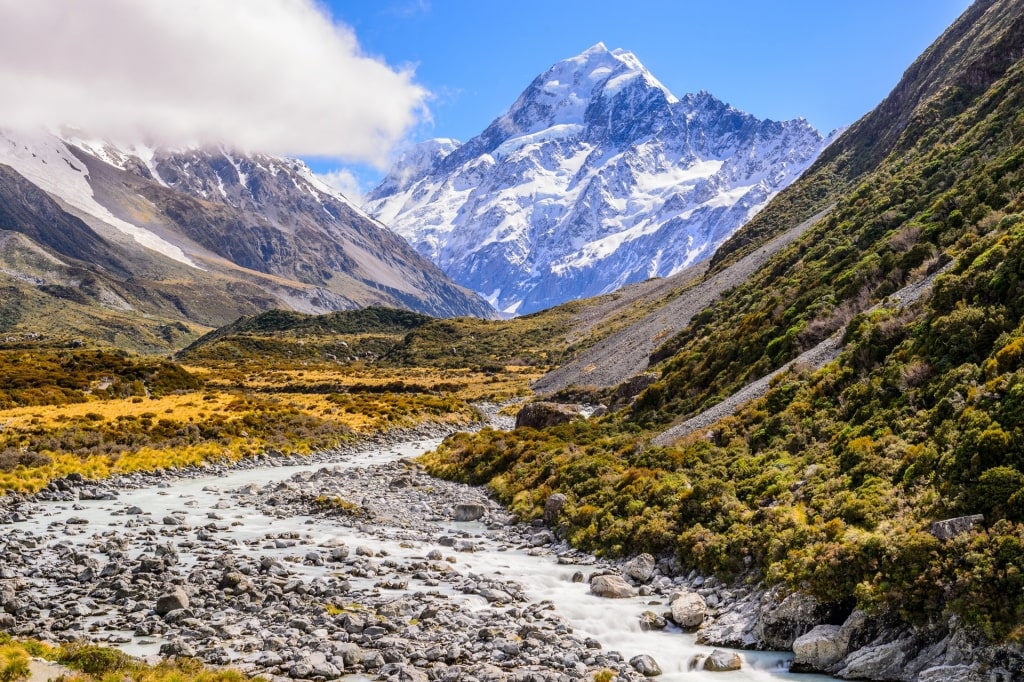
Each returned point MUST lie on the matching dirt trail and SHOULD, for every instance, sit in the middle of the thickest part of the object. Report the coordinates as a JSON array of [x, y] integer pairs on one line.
[[625, 353]]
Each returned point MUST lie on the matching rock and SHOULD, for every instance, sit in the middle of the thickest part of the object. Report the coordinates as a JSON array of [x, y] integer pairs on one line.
[[780, 623], [469, 511], [133, 510], [645, 665], [950, 528], [649, 620], [541, 415], [688, 610], [611, 586], [640, 568], [881, 662], [171, 601], [553, 507], [722, 661], [818, 649], [953, 673]]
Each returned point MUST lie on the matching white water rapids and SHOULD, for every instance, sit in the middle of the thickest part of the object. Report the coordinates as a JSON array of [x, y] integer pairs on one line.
[[615, 623]]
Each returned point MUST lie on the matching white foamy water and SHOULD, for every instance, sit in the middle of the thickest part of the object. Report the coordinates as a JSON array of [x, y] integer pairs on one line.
[[615, 623]]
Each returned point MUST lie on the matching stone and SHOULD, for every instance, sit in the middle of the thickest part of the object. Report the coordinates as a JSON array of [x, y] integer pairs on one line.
[[881, 662], [649, 620], [553, 507], [611, 586], [172, 601], [469, 511], [818, 649], [540, 415], [953, 673], [645, 665], [722, 661], [781, 622], [688, 610], [640, 568], [948, 529]]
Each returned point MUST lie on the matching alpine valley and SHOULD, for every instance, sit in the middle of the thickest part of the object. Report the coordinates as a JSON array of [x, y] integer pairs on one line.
[[795, 446], [595, 178], [146, 247]]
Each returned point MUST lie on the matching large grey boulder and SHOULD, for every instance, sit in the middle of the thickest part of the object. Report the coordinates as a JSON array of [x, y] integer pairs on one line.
[[611, 586], [881, 662], [640, 568], [688, 610], [171, 601], [818, 649], [469, 511], [553, 507]]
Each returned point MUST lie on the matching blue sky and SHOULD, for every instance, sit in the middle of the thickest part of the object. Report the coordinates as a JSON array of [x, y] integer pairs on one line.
[[828, 61]]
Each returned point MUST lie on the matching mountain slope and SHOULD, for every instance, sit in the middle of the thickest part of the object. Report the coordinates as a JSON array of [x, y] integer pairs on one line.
[[203, 236], [829, 483], [596, 177]]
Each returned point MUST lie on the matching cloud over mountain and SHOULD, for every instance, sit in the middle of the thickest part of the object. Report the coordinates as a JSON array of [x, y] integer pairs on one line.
[[276, 76]]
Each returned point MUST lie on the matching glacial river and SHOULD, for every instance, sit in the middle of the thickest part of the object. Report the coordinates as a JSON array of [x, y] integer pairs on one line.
[[615, 623]]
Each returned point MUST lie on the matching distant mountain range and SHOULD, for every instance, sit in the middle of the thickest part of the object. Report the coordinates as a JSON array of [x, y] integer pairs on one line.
[[596, 177], [109, 240]]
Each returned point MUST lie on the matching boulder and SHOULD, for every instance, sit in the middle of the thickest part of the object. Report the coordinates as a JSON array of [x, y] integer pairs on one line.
[[948, 529], [645, 665], [541, 415], [649, 620], [781, 622], [688, 610], [881, 662], [818, 649], [640, 568], [722, 661], [611, 586], [553, 507], [171, 601], [469, 511]]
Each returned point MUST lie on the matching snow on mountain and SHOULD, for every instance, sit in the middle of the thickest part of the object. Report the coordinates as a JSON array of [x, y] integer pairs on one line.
[[596, 177]]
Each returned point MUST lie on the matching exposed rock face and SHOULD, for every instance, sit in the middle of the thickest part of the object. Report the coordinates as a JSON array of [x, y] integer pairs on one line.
[[541, 415], [950, 528], [688, 610], [611, 586], [779, 624], [818, 649]]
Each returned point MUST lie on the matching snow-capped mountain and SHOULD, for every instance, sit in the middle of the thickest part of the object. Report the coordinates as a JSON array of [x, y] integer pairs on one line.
[[199, 235], [596, 177]]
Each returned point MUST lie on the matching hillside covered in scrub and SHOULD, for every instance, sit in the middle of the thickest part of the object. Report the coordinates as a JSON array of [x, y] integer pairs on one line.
[[829, 482]]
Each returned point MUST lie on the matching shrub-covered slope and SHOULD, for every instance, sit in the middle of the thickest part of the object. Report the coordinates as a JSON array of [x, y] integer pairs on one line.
[[830, 482]]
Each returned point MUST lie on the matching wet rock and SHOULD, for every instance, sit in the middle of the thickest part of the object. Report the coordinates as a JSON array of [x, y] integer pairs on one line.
[[611, 586], [649, 620], [645, 665], [688, 610], [722, 661], [468, 511]]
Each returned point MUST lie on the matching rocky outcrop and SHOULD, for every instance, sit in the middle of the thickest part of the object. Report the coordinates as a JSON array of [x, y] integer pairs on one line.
[[540, 415], [950, 528]]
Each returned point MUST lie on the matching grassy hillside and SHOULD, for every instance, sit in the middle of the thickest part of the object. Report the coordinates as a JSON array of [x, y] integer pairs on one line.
[[830, 482]]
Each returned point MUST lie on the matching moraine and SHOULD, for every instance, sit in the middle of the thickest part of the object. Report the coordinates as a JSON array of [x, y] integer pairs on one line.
[[415, 595]]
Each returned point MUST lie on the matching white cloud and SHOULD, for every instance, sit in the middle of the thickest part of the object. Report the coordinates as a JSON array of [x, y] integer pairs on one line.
[[346, 182], [276, 76]]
